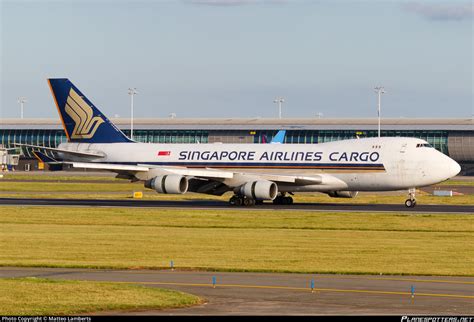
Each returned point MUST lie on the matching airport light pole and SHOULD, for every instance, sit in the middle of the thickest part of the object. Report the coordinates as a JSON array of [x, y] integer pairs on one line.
[[21, 100], [379, 90], [131, 92], [279, 100]]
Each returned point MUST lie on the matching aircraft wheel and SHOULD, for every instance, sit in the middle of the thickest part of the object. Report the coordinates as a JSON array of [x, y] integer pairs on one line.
[[280, 200], [239, 201], [277, 200], [248, 202], [233, 200], [286, 201], [410, 203]]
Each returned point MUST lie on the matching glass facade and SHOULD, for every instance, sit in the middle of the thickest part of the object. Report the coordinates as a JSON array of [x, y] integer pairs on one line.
[[169, 136], [438, 139], [52, 138], [48, 138]]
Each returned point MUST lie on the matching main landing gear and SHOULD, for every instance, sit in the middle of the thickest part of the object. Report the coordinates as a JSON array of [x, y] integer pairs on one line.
[[240, 200], [281, 199], [411, 201]]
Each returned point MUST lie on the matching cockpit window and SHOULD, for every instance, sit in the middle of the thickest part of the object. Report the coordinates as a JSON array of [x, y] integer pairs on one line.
[[423, 145]]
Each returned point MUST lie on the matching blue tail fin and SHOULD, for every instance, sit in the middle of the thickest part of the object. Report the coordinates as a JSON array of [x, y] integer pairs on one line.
[[279, 137], [82, 121]]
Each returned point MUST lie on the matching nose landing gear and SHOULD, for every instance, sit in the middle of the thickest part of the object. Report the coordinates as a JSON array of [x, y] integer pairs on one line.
[[411, 201]]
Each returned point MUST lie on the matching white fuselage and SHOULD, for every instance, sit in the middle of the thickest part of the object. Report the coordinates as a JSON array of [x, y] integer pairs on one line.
[[369, 164]]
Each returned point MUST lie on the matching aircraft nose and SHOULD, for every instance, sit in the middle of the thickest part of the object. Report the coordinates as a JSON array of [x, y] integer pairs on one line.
[[454, 168]]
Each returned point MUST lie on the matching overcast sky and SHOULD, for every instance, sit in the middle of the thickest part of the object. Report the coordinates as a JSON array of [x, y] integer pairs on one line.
[[217, 58]]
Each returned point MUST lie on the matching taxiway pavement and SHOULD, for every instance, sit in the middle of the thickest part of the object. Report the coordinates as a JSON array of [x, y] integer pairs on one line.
[[201, 204], [287, 294]]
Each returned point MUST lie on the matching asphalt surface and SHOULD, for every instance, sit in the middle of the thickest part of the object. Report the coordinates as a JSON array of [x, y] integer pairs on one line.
[[206, 204], [287, 294]]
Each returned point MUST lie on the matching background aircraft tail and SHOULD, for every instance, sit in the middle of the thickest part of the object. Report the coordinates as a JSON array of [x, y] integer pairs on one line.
[[82, 121], [279, 137]]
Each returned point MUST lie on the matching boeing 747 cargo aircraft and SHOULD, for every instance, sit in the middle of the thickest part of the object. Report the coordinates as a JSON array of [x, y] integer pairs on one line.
[[253, 172]]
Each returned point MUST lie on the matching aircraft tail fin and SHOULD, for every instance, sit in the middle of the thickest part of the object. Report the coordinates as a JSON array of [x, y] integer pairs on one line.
[[279, 137], [83, 122]]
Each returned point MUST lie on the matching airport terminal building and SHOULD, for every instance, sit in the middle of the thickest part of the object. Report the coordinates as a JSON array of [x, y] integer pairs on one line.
[[454, 137]]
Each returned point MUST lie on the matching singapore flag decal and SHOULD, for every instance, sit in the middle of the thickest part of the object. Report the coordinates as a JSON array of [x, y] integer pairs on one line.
[[164, 153]]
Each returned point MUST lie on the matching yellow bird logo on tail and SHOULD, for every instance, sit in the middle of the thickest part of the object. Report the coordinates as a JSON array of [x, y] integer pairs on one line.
[[81, 113]]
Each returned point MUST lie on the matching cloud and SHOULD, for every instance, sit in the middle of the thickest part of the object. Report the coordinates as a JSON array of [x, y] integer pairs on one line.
[[232, 3], [222, 3], [459, 11]]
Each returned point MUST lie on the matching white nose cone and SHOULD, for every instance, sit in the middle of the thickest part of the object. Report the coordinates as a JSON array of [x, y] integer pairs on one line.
[[454, 168], [443, 168]]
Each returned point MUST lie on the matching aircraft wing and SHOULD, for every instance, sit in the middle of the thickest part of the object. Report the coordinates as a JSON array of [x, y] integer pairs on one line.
[[133, 170], [205, 173], [209, 173]]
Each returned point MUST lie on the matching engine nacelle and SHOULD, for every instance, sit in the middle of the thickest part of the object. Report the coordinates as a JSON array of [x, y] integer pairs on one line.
[[171, 183], [260, 190], [343, 194]]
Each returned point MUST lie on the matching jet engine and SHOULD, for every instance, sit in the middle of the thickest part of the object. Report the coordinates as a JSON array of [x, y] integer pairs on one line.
[[260, 190], [172, 183], [343, 194]]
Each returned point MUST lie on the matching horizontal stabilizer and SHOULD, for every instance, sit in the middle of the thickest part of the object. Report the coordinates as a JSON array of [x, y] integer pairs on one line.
[[109, 167], [53, 164], [43, 157], [75, 153]]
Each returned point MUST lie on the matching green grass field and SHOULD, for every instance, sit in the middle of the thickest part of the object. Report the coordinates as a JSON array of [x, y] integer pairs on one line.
[[274, 241], [34, 296], [229, 240], [45, 176]]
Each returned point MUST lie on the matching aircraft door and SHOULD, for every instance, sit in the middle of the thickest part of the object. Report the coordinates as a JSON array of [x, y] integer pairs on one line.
[[403, 148], [401, 164]]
